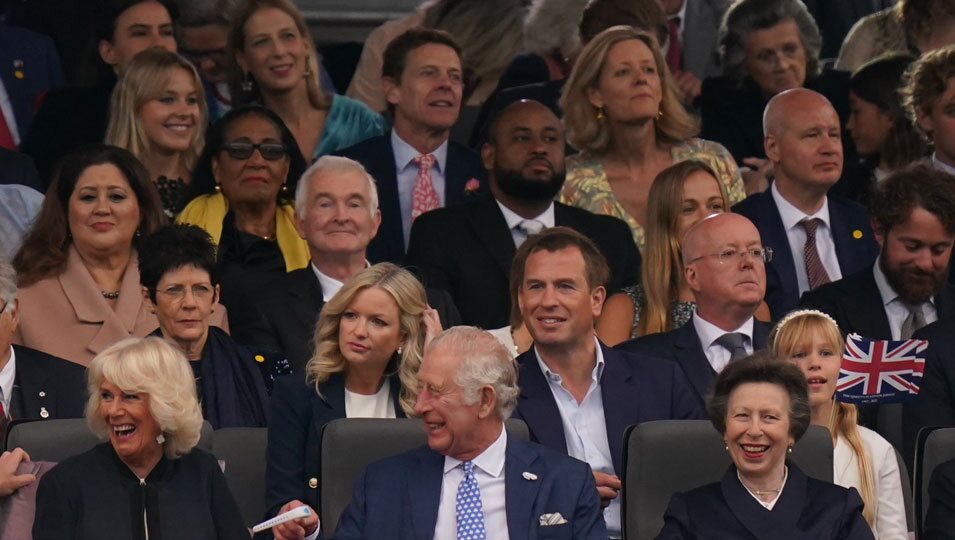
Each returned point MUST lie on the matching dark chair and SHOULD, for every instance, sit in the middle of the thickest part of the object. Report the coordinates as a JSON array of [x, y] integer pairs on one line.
[[906, 493], [350, 444], [668, 456], [934, 447], [243, 451]]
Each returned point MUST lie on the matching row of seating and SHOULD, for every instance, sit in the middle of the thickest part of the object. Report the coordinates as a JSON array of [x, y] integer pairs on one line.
[[661, 458]]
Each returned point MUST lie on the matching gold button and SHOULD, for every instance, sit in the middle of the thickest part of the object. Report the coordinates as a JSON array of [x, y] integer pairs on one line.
[[313, 483], [259, 358]]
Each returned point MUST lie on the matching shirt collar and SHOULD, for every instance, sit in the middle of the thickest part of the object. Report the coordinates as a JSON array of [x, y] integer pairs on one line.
[[404, 153], [596, 374], [330, 286], [709, 332], [491, 460], [791, 215], [513, 220], [7, 377]]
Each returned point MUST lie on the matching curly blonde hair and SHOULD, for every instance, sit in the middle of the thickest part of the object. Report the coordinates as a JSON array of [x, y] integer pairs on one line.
[[925, 81], [407, 292], [153, 367], [584, 130]]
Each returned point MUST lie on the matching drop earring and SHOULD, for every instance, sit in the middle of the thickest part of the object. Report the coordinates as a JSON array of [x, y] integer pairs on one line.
[[600, 113], [247, 83], [308, 67]]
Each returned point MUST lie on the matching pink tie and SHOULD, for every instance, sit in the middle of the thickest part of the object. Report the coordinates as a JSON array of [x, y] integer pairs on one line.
[[423, 196]]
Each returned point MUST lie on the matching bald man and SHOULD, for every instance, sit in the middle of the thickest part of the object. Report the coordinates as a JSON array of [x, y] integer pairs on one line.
[[816, 237], [724, 265], [467, 250]]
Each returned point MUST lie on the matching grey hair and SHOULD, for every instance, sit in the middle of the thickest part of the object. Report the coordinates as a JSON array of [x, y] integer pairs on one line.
[[484, 362], [8, 282], [195, 13], [333, 165], [747, 16]]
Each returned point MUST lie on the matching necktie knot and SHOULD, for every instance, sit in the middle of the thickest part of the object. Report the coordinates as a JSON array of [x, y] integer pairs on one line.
[[735, 343], [810, 225], [815, 271], [424, 197], [913, 321], [530, 226], [424, 162]]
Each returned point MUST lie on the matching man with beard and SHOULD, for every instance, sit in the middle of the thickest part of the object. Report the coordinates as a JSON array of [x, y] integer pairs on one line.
[[913, 218], [467, 250]]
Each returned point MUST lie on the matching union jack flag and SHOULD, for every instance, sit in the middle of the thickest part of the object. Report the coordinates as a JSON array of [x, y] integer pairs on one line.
[[880, 371]]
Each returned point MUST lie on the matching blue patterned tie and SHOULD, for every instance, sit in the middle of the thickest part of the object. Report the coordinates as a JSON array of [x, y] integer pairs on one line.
[[470, 512]]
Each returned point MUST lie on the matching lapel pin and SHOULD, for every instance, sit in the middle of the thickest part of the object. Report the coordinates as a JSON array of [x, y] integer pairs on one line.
[[42, 393], [18, 68], [529, 476], [857, 234], [44, 413]]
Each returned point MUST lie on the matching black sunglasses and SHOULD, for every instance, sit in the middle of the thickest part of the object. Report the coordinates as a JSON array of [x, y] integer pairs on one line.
[[243, 150]]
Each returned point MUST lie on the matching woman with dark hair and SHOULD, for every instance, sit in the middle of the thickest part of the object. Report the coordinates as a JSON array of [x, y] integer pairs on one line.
[[78, 274], [78, 115], [274, 63], [177, 269], [243, 187], [882, 133], [761, 408]]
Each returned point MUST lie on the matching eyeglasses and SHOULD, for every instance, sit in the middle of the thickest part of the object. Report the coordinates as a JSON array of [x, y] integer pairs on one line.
[[243, 150], [177, 292], [764, 254], [195, 55]]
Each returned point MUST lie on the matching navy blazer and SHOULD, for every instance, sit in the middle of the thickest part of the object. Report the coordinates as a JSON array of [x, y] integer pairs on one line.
[[46, 384], [378, 157], [935, 404], [807, 509], [635, 389], [293, 455], [397, 498], [851, 233], [684, 347], [33, 56]]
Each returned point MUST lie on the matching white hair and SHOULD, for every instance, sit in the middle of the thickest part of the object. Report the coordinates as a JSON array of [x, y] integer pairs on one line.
[[333, 165]]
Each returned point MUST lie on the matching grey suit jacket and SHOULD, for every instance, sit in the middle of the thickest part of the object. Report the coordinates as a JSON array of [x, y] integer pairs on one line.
[[700, 30]]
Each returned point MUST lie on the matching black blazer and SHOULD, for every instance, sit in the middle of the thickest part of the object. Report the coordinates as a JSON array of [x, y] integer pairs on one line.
[[46, 387], [851, 233], [293, 455], [377, 155], [684, 347], [285, 312], [935, 405], [467, 251], [634, 388], [19, 169], [807, 509], [940, 519]]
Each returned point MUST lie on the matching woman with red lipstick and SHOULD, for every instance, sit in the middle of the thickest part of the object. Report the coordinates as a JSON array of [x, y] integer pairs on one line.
[[368, 345], [274, 63], [148, 481], [158, 112], [761, 408], [863, 460]]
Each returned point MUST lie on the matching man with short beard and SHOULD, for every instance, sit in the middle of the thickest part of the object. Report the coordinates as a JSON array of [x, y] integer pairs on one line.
[[913, 218], [467, 250]]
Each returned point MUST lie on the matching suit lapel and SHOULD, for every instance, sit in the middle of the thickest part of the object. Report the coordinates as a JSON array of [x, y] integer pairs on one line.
[[424, 493], [455, 175], [692, 359], [491, 228], [781, 522], [864, 309], [305, 297], [760, 335], [381, 165], [537, 406], [26, 401], [616, 388], [945, 302], [520, 458], [774, 236]]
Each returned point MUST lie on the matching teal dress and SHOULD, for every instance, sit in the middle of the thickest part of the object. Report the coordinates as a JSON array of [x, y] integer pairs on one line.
[[349, 122]]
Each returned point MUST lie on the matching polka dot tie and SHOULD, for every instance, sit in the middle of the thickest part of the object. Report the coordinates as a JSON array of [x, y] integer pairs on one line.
[[470, 512], [424, 197]]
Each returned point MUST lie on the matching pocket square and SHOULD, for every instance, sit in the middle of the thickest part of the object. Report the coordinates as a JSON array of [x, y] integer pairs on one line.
[[546, 520]]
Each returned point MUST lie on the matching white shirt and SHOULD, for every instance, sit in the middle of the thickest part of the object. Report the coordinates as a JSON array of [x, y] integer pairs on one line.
[[939, 164], [895, 309], [585, 427], [796, 235], [407, 172], [7, 107], [716, 354], [489, 473], [513, 220], [330, 286], [377, 405], [7, 376]]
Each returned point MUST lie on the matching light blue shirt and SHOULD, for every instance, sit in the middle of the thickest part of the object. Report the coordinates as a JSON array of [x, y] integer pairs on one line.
[[19, 206], [585, 428], [407, 172]]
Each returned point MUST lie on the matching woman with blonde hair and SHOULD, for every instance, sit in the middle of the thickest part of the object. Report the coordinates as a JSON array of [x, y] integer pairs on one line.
[[368, 345], [273, 62], [622, 110], [158, 113], [149, 480], [811, 340]]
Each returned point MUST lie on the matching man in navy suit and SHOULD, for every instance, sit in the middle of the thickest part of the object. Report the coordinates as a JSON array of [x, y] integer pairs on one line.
[[29, 68], [724, 265], [578, 396], [416, 165], [816, 238], [472, 480]]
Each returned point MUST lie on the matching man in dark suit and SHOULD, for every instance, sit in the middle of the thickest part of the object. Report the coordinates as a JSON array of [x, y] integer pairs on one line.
[[31, 68], [33, 385], [691, 48], [336, 208], [416, 166], [456, 486], [578, 396], [724, 265], [816, 238], [467, 250], [935, 404]]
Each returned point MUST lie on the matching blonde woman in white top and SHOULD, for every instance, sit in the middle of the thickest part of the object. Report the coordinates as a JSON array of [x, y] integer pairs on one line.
[[861, 458]]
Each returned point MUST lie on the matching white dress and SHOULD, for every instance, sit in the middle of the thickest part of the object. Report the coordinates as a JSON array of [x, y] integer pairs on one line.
[[890, 506]]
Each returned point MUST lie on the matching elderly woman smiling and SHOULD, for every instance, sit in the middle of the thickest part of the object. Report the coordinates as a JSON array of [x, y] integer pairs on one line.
[[761, 408], [148, 480]]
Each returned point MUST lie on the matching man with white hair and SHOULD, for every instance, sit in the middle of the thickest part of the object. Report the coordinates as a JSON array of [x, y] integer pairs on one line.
[[472, 480], [336, 213]]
